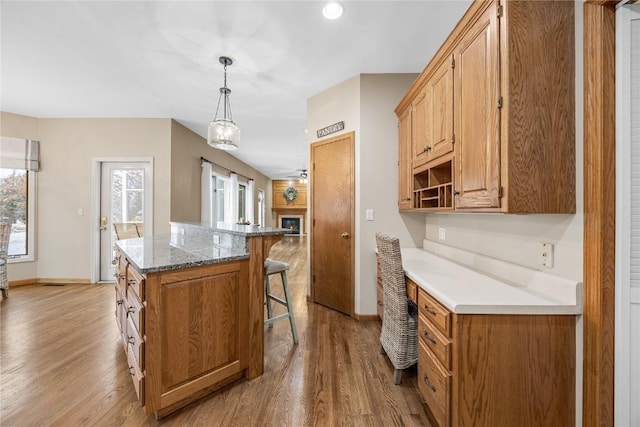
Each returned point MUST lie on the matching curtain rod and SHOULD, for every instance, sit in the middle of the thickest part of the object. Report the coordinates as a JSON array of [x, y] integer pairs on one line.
[[202, 159]]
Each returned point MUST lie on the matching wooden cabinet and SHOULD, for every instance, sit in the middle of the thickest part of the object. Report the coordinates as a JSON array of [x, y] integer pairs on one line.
[[404, 160], [185, 332], [499, 96], [477, 118], [130, 310], [490, 370]]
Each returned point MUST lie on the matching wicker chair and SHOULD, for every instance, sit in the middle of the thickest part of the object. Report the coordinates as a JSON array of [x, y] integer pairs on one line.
[[399, 336], [5, 231]]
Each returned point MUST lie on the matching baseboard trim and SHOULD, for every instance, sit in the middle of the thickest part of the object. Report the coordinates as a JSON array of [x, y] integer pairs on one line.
[[41, 280]]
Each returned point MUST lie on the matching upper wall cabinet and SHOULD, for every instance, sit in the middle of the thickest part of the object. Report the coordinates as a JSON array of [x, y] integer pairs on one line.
[[499, 96], [404, 160]]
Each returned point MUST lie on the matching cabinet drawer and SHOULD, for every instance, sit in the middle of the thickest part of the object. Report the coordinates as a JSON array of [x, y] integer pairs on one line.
[[135, 311], [135, 282], [412, 290], [135, 344], [435, 341], [136, 375], [435, 312], [434, 383]]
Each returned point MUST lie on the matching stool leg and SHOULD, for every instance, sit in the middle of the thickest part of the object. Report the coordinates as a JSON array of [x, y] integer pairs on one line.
[[292, 321], [267, 293]]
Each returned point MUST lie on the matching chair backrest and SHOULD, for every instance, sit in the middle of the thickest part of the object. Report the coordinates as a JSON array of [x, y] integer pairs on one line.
[[5, 231], [125, 230], [393, 284]]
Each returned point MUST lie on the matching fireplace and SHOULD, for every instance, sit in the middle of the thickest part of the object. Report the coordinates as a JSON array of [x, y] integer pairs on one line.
[[294, 223]]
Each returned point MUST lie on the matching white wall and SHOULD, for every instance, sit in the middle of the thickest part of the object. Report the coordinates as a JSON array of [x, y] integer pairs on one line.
[[366, 104]]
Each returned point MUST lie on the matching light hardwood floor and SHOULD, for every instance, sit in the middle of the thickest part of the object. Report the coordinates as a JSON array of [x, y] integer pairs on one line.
[[62, 363]]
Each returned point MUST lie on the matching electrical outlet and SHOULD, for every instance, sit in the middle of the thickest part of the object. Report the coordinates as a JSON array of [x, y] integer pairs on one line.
[[216, 239], [545, 254], [442, 233]]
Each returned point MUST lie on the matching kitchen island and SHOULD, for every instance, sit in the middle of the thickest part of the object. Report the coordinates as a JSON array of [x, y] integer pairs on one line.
[[189, 305]]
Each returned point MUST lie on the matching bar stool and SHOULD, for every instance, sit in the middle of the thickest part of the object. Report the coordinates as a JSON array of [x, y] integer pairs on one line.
[[274, 267]]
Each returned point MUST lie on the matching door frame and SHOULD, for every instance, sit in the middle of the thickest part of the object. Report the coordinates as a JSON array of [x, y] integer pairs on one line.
[[96, 188], [352, 142], [599, 213]]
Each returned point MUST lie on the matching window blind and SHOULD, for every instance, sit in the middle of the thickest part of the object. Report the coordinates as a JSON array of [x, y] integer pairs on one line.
[[18, 153]]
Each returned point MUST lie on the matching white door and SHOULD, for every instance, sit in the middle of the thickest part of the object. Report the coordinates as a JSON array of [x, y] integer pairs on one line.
[[627, 289], [125, 208]]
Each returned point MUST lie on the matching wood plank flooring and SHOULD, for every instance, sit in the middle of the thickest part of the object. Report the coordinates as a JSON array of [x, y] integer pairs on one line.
[[63, 364]]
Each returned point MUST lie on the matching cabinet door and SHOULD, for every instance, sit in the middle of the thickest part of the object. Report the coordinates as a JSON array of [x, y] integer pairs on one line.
[[404, 160], [477, 116], [439, 136], [420, 128]]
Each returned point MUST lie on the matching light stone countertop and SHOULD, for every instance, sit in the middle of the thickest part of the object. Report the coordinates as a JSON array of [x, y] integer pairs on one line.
[[466, 290]]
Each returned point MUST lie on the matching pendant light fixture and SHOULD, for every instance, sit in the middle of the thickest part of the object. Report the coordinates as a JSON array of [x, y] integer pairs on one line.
[[223, 132]]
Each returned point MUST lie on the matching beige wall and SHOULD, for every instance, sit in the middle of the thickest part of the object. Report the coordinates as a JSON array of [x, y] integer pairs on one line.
[[186, 150], [365, 103], [67, 149]]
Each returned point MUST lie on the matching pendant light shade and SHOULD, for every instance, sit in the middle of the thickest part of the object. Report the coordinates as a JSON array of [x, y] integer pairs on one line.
[[223, 132]]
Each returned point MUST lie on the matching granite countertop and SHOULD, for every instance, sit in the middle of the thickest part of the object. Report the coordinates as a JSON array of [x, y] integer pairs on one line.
[[172, 252], [466, 290], [237, 229]]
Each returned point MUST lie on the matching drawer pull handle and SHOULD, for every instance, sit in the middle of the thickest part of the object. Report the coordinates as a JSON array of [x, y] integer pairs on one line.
[[380, 303], [120, 301], [131, 340], [131, 371], [428, 310], [130, 310], [428, 338], [426, 381], [131, 282]]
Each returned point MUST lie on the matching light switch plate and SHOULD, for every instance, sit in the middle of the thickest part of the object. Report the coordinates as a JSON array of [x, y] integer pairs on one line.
[[369, 214], [442, 233]]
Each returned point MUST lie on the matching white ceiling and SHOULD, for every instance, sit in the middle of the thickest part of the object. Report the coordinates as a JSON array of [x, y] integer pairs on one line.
[[160, 59]]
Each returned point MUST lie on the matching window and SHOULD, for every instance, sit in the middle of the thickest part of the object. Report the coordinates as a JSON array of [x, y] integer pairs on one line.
[[242, 201], [219, 205], [17, 207]]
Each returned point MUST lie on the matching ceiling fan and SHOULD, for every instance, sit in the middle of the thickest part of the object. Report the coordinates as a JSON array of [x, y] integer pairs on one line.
[[302, 176]]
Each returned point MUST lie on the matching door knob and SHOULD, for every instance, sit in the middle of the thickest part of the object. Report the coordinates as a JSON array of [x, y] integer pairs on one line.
[[345, 235], [103, 222]]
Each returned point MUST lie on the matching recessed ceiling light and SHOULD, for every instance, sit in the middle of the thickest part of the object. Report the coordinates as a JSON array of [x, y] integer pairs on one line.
[[332, 10]]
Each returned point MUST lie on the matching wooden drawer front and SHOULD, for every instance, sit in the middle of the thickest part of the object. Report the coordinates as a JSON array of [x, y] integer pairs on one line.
[[439, 345], [135, 344], [137, 376], [380, 293], [434, 383], [435, 312], [135, 311], [135, 282], [412, 290]]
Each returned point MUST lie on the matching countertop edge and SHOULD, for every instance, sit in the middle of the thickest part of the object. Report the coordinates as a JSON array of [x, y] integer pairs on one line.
[[557, 307]]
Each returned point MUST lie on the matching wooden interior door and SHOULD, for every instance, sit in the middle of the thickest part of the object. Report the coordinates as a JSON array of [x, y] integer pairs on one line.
[[332, 223]]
